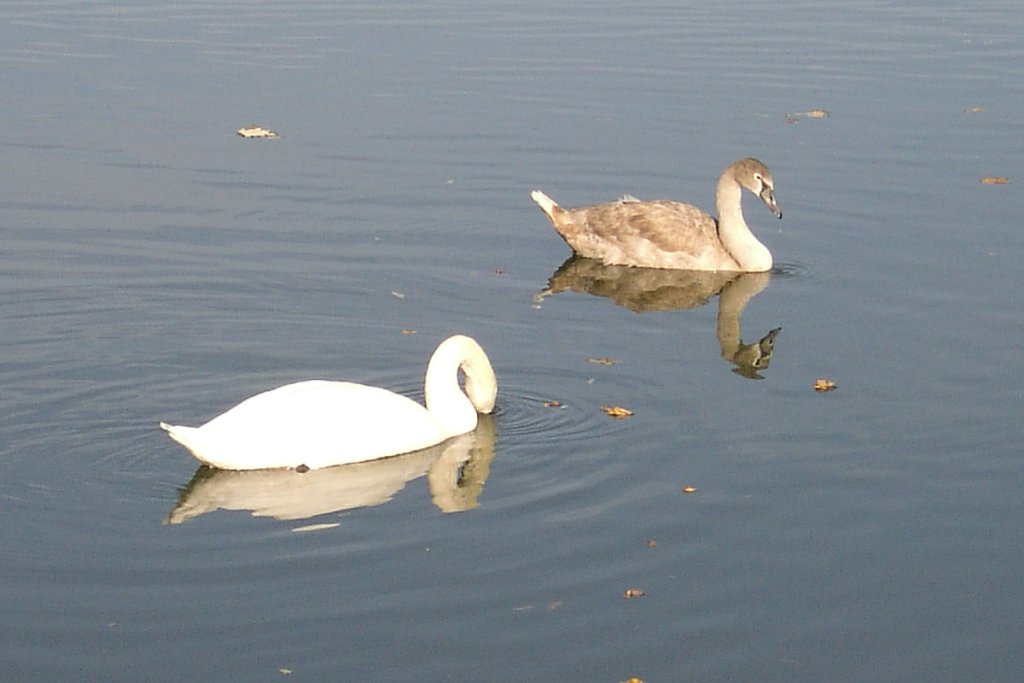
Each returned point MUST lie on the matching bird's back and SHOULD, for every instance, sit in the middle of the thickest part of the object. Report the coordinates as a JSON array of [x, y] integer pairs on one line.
[[655, 234], [315, 423]]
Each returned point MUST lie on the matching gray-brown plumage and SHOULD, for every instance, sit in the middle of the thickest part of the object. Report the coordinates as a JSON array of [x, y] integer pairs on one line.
[[667, 234]]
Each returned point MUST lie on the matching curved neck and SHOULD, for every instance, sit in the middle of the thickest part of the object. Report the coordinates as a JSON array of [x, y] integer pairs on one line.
[[454, 410], [736, 237]]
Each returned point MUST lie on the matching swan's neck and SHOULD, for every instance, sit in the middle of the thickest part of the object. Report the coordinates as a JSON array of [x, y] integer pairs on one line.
[[747, 250], [454, 410]]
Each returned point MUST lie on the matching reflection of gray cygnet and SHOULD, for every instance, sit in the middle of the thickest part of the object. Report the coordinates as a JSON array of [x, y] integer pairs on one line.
[[668, 234], [748, 358], [456, 472], [658, 289], [638, 289]]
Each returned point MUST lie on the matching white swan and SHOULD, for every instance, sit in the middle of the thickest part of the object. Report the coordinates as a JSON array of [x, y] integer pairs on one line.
[[319, 423], [667, 234]]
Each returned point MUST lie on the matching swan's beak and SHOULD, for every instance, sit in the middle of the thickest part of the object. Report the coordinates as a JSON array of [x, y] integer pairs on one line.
[[768, 197]]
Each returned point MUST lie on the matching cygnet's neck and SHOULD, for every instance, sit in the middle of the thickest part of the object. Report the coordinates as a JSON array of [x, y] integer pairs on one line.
[[747, 250]]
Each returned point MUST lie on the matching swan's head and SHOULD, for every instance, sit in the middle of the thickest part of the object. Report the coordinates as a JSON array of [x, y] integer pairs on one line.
[[481, 386], [755, 176]]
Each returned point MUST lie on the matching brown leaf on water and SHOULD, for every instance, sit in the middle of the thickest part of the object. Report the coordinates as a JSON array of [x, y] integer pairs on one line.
[[604, 361], [618, 412], [994, 180], [633, 593], [408, 331], [552, 404], [821, 384], [651, 543], [689, 489], [972, 110], [634, 679]]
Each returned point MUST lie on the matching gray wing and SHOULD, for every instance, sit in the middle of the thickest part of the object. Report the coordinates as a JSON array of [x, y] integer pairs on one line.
[[659, 233]]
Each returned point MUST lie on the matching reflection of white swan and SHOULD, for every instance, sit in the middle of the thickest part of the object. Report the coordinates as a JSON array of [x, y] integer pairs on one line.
[[318, 423], [667, 234], [456, 471]]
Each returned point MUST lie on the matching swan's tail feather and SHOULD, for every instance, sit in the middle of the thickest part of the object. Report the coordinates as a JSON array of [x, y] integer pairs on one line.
[[546, 204], [179, 434], [562, 220], [191, 438]]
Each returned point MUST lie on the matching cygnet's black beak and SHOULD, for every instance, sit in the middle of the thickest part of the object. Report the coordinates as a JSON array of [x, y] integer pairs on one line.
[[768, 197]]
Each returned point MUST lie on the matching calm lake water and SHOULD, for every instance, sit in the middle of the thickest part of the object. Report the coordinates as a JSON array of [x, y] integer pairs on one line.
[[155, 266]]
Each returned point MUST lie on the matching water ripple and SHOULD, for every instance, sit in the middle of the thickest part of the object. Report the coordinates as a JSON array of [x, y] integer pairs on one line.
[[788, 270], [534, 420]]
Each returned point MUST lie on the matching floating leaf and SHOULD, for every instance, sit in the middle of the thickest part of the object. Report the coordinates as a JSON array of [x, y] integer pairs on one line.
[[689, 489], [812, 114], [634, 679], [604, 361], [618, 412], [632, 593], [824, 385], [994, 180], [407, 331], [552, 404], [651, 543], [972, 110], [256, 132], [397, 295]]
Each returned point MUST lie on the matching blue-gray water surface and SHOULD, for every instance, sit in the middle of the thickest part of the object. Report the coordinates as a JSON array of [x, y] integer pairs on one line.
[[156, 266]]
